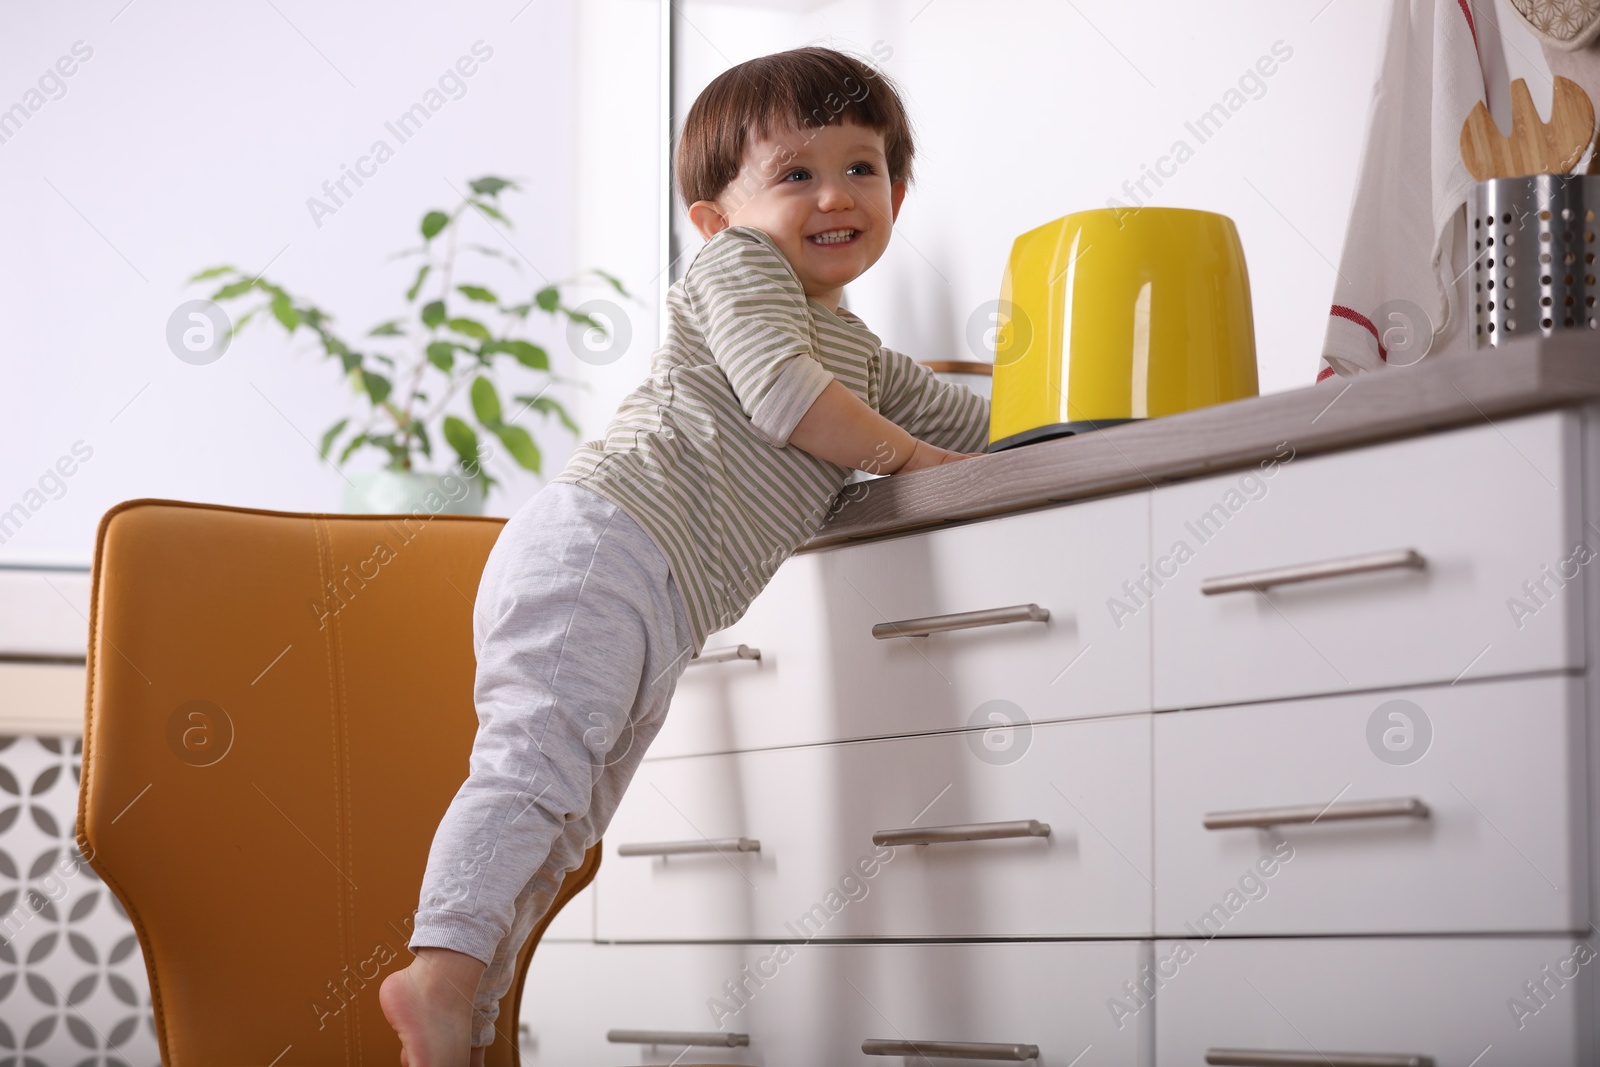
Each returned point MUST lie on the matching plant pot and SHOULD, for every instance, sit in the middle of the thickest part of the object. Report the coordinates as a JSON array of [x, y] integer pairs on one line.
[[389, 492]]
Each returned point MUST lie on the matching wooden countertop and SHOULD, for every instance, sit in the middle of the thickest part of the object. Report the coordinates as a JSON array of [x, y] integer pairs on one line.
[[1446, 390]]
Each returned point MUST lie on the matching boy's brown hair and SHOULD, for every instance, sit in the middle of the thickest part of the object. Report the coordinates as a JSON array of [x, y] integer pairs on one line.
[[807, 87]]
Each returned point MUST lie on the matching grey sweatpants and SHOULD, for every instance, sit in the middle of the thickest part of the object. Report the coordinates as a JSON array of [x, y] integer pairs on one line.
[[581, 636]]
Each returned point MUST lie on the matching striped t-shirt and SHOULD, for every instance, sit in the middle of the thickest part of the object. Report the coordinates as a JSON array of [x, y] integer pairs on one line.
[[698, 455]]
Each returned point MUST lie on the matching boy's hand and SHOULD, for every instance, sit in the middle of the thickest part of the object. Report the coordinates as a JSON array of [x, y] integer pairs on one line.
[[926, 455]]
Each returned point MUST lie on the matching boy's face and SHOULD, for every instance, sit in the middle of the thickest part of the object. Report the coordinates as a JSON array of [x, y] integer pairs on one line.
[[796, 185]]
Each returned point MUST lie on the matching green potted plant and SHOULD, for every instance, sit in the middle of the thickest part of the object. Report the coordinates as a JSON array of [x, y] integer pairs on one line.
[[409, 369]]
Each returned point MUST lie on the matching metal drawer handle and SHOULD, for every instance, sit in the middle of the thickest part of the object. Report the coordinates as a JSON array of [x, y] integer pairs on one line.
[[972, 831], [703, 1039], [1244, 1057], [685, 848], [722, 655], [1261, 581], [1407, 807], [961, 620], [951, 1050]]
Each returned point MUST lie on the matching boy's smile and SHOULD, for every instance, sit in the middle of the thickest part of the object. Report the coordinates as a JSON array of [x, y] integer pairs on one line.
[[824, 197]]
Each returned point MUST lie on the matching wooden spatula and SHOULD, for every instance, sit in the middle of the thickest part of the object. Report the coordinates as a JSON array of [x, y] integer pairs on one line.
[[1534, 147]]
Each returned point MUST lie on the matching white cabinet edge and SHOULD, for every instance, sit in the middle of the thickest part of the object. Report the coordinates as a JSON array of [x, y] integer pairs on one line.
[[42, 698], [44, 611]]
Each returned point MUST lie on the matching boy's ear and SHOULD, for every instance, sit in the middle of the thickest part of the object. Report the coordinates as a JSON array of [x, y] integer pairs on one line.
[[707, 218], [897, 193]]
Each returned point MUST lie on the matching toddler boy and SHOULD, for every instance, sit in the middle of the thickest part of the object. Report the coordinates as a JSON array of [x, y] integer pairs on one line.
[[727, 458]]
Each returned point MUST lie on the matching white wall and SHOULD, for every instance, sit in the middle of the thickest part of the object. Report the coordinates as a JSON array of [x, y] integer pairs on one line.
[[194, 135]]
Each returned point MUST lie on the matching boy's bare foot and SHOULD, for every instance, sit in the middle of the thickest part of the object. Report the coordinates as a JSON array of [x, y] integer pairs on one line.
[[429, 1004]]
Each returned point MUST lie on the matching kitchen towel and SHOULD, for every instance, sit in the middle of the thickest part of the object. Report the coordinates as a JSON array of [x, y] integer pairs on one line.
[[1400, 290]]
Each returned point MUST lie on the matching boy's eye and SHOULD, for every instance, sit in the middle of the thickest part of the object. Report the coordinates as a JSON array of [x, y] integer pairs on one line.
[[864, 168]]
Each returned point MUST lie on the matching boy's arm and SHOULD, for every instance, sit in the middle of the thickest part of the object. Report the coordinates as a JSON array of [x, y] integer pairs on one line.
[[841, 428], [752, 312], [941, 413]]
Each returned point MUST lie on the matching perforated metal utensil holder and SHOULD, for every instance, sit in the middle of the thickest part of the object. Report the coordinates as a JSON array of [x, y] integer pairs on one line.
[[1533, 256]]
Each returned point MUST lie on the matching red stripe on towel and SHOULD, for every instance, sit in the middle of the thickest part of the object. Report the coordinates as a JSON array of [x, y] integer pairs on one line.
[[1365, 323], [1467, 11], [1324, 374], [1477, 53]]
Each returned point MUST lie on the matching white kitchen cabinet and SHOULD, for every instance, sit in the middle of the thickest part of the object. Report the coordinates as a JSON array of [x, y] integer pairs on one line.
[[1440, 925], [575, 995], [813, 811], [1068, 561], [777, 691], [1486, 509], [822, 675], [809, 1004], [1487, 850], [575, 921], [1457, 1001]]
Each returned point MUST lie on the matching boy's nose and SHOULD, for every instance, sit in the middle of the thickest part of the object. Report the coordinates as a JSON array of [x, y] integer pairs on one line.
[[834, 195]]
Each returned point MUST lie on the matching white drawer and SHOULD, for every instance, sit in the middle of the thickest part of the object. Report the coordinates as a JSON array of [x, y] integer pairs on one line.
[[1503, 846], [818, 873], [781, 697], [1068, 560], [823, 677], [575, 922], [575, 994], [805, 1005], [1450, 999], [1487, 508]]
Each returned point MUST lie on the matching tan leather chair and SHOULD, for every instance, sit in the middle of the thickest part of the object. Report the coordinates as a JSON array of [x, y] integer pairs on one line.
[[279, 711]]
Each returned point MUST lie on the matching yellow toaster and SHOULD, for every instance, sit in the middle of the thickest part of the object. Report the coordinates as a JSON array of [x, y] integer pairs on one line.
[[1118, 314]]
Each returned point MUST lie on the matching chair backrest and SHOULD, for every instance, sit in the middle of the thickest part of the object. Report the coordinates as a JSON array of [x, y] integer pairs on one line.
[[279, 711]]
